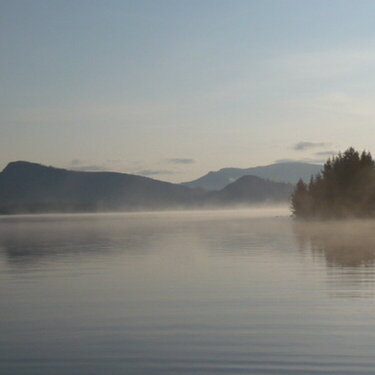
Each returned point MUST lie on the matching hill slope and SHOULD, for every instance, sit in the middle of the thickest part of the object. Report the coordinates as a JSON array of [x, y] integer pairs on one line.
[[251, 189], [30, 187], [281, 172]]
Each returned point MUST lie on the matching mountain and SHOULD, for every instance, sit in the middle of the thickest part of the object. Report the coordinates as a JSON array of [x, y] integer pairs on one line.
[[30, 187], [288, 172], [251, 189]]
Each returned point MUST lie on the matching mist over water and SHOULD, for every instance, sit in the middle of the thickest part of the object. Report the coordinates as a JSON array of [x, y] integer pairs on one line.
[[245, 291]]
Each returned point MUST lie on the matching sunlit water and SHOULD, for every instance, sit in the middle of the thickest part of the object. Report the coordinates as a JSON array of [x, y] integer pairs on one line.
[[245, 292]]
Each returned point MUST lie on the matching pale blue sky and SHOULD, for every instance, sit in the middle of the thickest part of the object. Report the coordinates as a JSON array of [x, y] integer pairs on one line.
[[173, 89]]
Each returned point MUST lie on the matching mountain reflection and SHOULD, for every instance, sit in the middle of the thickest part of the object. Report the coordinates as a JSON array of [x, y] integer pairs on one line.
[[36, 240], [342, 244]]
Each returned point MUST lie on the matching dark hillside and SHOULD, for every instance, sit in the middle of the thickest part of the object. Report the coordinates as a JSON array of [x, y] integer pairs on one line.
[[30, 187], [289, 172], [252, 189]]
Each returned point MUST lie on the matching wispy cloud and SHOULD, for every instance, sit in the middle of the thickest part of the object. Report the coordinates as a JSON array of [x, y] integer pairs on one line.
[[181, 161], [117, 165], [325, 153], [90, 168], [302, 160], [156, 172], [303, 146]]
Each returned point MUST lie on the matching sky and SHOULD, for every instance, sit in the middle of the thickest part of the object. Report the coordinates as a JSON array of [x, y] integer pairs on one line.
[[172, 89]]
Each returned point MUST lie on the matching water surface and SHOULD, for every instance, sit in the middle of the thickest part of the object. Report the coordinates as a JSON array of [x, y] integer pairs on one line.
[[220, 292]]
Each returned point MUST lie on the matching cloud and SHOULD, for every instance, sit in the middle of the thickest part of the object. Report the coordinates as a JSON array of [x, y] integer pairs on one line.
[[303, 146], [280, 161], [156, 172], [86, 166], [90, 168], [326, 153], [114, 161], [181, 161], [303, 160], [117, 165]]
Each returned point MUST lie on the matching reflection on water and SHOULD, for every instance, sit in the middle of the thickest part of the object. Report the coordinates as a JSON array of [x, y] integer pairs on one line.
[[348, 250], [27, 239], [343, 244], [24, 243], [195, 293]]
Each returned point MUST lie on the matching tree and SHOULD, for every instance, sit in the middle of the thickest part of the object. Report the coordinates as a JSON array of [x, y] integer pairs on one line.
[[344, 188], [301, 200]]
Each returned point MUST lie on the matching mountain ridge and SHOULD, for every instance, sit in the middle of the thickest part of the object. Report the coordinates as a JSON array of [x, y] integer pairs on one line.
[[251, 189], [27, 187], [286, 172]]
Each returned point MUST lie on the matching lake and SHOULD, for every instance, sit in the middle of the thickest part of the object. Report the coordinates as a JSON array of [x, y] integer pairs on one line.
[[216, 292]]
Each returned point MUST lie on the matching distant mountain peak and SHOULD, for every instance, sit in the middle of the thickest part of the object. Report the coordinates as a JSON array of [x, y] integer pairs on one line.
[[287, 172], [27, 187], [249, 188], [20, 165]]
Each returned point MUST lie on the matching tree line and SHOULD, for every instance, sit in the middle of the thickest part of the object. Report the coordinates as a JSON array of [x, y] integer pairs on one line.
[[344, 188]]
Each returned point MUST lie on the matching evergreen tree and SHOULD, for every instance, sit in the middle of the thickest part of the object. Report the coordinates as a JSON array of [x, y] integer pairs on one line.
[[300, 200], [344, 188]]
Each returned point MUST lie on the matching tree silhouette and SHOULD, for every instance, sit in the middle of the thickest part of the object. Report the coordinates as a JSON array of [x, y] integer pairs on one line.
[[301, 200], [344, 188]]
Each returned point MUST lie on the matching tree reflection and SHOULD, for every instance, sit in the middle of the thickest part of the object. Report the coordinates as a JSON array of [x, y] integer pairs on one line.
[[343, 244]]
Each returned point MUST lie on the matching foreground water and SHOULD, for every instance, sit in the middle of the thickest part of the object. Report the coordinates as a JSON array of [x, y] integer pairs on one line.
[[247, 292]]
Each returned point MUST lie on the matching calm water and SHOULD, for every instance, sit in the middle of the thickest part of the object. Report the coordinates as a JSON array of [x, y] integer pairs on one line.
[[217, 292]]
